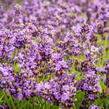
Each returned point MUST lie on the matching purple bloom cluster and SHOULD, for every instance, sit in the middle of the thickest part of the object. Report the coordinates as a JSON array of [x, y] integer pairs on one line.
[[94, 107], [58, 91], [42, 42]]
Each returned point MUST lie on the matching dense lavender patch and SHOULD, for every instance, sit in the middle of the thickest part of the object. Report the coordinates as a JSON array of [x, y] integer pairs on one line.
[[57, 50]]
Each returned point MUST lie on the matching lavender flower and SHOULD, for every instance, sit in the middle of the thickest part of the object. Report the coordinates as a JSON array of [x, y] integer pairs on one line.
[[94, 107]]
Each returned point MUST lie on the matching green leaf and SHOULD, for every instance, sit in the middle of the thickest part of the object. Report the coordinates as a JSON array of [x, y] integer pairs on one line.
[[36, 40], [1, 98], [101, 85], [55, 50], [80, 97], [7, 100], [12, 102]]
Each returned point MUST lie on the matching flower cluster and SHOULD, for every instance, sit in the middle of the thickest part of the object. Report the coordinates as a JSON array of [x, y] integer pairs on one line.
[[94, 107], [43, 44]]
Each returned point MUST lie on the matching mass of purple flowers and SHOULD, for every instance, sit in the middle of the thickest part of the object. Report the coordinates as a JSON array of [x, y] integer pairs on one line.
[[52, 49]]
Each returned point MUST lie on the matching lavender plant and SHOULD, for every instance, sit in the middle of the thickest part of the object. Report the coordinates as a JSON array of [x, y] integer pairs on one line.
[[54, 54]]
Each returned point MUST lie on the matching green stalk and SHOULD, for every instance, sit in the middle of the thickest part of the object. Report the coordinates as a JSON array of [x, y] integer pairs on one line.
[[12, 106]]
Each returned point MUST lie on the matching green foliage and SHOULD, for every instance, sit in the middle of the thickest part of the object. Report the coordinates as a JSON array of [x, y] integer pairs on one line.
[[32, 103], [36, 40], [80, 97]]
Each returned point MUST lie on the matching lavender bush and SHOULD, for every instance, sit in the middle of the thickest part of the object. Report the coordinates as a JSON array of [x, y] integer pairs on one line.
[[54, 54]]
